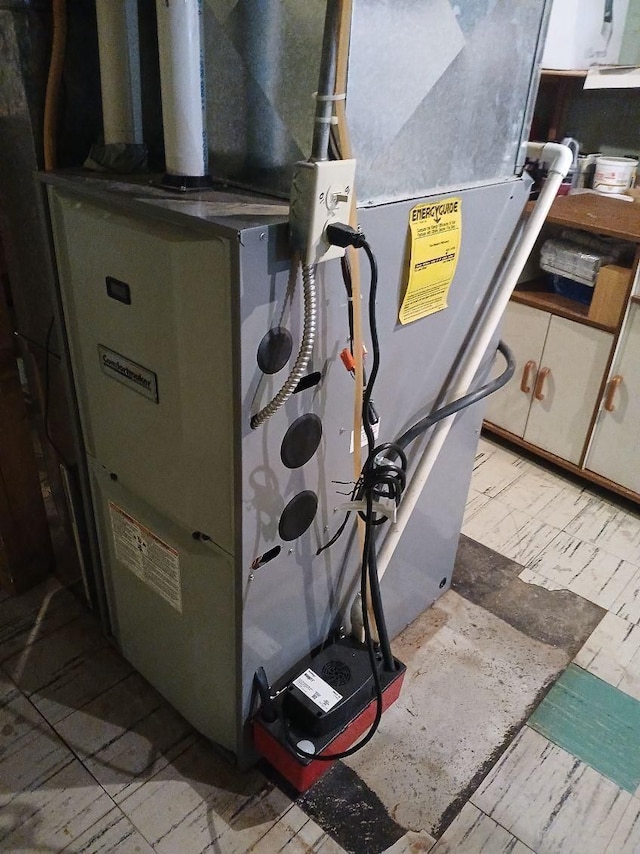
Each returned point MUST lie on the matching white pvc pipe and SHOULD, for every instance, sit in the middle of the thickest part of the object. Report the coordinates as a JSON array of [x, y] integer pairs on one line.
[[182, 85], [119, 53], [559, 157]]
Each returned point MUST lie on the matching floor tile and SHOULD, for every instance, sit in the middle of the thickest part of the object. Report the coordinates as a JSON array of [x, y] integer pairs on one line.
[[495, 472], [627, 604], [473, 832], [67, 669], [588, 571], [470, 679], [28, 764], [554, 616], [512, 533], [612, 653], [112, 833], [475, 501], [565, 506], [199, 801], [531, 493], [550, 800], [14, 608], [40, 663], [595, 722], [126, 735], [8, 688], [413, 843], [19, 720], [24, 621], [531, 577], [626, 837], [295, 833], [47, 818], [486, 448], [611, 528]]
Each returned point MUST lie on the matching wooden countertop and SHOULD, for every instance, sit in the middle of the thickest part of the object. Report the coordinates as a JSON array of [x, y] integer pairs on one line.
[[612, 217]]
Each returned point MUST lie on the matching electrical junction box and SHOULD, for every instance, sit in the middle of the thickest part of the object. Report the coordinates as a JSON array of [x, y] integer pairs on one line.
[[208, 531], [321, 195]]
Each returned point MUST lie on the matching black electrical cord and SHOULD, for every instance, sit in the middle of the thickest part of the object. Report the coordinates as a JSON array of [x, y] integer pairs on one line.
[[461, 403], [439, 415], [331, 757], [383, 476], [368, 490], [376, 481]]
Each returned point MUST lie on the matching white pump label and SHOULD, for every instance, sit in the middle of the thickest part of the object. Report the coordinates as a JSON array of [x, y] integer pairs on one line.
[[317, 690]]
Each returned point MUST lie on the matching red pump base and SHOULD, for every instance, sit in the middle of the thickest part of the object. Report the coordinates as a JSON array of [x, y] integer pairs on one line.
[[302, 773]]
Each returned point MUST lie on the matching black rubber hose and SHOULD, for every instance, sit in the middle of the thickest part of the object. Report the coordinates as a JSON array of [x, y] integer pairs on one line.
[[463, 402]]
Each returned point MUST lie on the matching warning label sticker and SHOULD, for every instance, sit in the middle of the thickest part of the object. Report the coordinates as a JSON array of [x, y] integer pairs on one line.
[[317, 690], [435, 244], [146, 555]]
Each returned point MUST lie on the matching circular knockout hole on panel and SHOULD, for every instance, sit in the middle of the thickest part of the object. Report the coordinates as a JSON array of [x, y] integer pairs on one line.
[[298, 515], [274, 350], [301, 441]]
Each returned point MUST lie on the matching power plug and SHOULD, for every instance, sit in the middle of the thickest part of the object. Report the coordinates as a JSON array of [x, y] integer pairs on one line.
[[321, 195]]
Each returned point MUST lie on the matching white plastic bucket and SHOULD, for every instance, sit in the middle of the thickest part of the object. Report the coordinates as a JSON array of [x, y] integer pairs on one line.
[[614, 174]]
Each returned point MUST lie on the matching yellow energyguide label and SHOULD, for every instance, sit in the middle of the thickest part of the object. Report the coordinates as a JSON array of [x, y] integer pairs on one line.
[[435, 244]]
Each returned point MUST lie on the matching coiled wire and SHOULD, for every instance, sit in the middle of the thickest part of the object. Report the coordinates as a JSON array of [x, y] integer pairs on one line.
[[310, 299]]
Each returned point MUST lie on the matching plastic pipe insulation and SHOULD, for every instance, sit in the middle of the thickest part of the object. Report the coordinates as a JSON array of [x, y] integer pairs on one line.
[[559, 157], [183, 91], [119, 51]]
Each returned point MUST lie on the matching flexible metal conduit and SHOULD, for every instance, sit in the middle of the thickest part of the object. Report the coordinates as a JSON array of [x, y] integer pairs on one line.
[[304, 353], [559, 157], [320, 151], [326, 82]]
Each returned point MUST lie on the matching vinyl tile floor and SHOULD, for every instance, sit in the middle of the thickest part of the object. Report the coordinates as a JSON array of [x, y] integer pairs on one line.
[[93, 760]]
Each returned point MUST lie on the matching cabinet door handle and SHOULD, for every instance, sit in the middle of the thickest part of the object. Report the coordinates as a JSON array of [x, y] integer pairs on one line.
[[614, 382], [543, 373], [526, 373]]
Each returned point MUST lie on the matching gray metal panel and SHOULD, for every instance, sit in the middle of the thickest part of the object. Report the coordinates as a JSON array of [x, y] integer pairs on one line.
[[438, 92], [291, 602], [274, 615], [261, 65], [176, 454], [190, 657]]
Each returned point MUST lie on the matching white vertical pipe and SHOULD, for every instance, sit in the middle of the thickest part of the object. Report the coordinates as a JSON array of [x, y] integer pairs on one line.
[[119, 52], [182, 84], [559, 157]]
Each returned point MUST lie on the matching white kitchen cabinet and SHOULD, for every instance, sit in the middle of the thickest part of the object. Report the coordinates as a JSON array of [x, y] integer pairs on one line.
[[567, 387], [524, 330], [568, 414], [559, 369], [615, 449]]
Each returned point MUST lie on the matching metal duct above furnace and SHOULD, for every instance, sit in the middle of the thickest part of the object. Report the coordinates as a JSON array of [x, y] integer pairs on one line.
[[439, 92]]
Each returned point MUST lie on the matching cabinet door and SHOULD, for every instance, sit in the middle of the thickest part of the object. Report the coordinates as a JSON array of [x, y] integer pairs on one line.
[[615, 450], [573, 364], [524, 330]]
